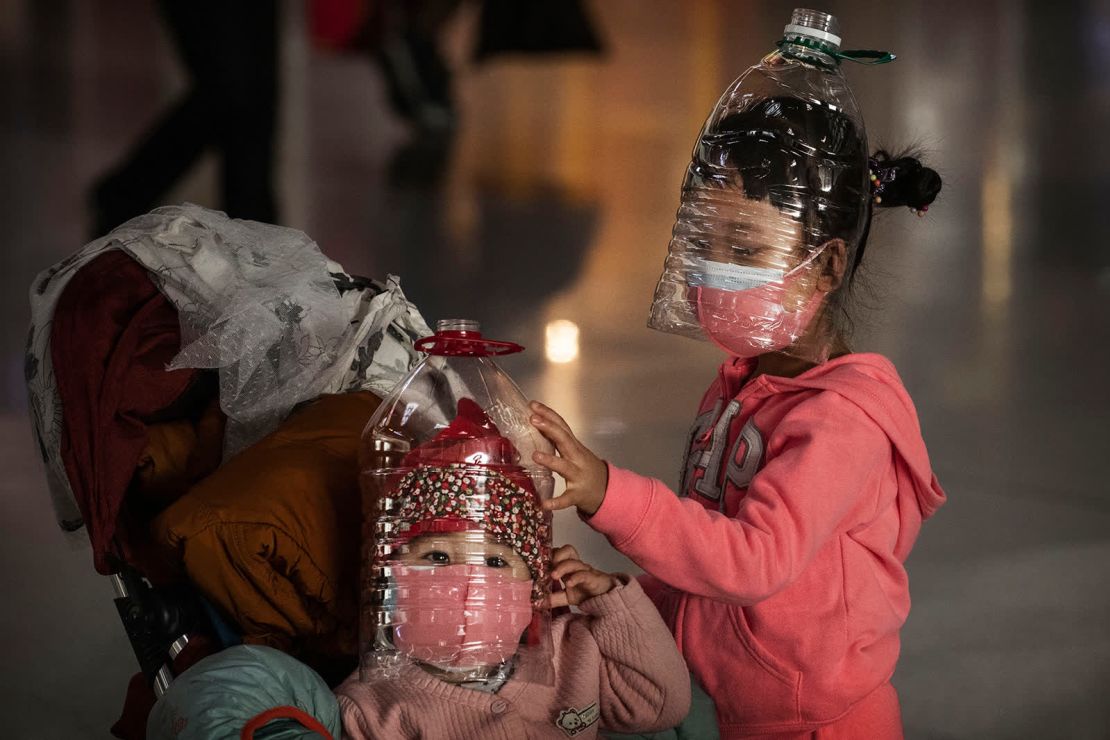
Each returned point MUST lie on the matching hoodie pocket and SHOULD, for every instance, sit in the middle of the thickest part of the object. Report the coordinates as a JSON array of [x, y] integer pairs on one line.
[[750, 686], [772, 665]]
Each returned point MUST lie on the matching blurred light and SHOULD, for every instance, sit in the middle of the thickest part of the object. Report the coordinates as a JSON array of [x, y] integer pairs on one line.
[[561, 341], [998, 242]]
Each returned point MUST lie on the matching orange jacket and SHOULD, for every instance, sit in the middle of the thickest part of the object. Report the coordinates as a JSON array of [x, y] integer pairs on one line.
[[272, 537]]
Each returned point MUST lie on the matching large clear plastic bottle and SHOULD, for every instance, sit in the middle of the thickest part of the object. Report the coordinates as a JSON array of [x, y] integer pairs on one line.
[[456, 544], [786, 134]]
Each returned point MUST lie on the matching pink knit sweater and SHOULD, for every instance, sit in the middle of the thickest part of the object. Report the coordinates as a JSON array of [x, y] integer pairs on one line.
[[616, 667]]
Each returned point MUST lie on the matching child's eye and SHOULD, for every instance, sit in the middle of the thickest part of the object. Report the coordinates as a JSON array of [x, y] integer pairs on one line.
[[438, 557], [494, 561]]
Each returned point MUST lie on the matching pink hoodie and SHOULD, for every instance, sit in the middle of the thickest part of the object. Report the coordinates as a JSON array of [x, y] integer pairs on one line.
[[780, 569]]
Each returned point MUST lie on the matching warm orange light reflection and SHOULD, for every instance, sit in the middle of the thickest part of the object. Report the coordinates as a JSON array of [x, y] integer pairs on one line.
[[561, 341]]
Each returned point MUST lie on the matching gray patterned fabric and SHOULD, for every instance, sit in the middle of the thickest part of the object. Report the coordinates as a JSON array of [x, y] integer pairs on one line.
[[282, 323]]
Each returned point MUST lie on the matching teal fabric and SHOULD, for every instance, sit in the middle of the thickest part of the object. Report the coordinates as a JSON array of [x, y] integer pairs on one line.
[[700, 722], [216, 697]]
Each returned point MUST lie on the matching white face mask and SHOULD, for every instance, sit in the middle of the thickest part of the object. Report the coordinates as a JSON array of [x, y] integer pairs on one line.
[[727, 276]]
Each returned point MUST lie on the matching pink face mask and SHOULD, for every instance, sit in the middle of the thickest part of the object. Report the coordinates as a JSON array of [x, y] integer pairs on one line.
[[741, 308], [459, 616]]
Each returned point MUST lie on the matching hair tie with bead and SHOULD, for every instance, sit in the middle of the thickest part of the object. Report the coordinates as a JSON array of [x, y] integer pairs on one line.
[[882, 173]]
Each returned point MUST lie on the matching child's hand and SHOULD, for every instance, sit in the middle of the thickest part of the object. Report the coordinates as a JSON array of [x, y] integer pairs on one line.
[[585, 473], [580, 581]]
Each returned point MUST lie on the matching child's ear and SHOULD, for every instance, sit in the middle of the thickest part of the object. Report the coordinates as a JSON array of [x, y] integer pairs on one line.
[[834, 262]]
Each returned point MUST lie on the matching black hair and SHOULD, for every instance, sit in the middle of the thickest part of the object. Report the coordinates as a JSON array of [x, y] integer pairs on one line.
[[905, 181], [805, 158], [909, 183], [809, 159]]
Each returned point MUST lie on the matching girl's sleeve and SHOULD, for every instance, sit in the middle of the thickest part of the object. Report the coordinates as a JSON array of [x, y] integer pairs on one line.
[[823, 459], [354, 723], [645, 686], [363, 718]]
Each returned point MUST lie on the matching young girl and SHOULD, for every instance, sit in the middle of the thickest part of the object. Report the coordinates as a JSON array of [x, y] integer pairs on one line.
[[779, 564], [469, 563]]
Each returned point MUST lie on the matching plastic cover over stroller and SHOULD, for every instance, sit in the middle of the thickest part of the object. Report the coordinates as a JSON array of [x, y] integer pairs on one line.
[[178, 369]]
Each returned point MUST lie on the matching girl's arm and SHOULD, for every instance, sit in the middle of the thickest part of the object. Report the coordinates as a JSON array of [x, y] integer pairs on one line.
[[366, 718], [644, 683], [823, 458], [824, 455], [355, 726]]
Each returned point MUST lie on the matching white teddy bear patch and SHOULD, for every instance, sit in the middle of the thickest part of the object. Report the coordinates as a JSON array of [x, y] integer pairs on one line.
[[572, 721]]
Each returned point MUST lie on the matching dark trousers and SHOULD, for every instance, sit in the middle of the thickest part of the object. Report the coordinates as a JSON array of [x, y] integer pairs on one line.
[[230, 52]]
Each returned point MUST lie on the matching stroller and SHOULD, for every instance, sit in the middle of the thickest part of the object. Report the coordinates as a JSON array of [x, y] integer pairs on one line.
[[198, 386]]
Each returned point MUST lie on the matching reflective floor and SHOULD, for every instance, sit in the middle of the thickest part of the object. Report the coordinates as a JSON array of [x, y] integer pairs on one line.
[[555, 202]]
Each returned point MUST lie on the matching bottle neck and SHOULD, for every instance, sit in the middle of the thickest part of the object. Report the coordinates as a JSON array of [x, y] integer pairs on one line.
[[809, 50], [457, 325]]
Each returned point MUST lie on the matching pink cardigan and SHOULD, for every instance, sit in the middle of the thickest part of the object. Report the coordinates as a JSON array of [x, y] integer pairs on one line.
[[616, 667]]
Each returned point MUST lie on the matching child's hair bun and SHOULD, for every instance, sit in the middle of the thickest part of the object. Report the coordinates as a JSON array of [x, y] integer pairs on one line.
[[903, 181]]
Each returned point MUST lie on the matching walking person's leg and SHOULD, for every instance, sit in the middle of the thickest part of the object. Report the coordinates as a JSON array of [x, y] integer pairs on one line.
[[173, 145], [244, 80]]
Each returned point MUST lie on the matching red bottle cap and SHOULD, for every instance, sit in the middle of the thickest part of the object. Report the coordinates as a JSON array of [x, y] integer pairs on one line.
[[461, 338]]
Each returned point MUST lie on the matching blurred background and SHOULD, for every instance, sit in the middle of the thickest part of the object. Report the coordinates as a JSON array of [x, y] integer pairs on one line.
[[528, 189]]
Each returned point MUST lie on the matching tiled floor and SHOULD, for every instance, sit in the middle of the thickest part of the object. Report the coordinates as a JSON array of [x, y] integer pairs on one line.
[[556, 203]]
